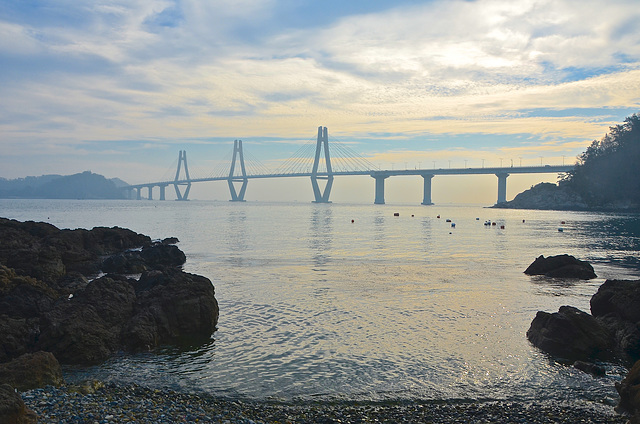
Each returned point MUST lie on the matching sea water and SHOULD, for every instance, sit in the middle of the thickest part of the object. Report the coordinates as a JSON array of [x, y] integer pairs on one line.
[[349, 301]]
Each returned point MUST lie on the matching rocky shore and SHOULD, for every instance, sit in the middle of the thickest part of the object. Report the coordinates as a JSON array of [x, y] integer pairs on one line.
[[104, 404], [611, 332], [79, 296]]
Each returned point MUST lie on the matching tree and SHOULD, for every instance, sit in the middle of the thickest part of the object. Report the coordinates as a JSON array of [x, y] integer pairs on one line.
[[606, 174]]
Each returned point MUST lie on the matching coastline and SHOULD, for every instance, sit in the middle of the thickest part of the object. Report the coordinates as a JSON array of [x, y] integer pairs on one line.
[[115, 403]]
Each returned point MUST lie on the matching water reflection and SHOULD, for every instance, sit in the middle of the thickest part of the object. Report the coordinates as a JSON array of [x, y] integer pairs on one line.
[[321, 235], [236, 231], [379, 230]]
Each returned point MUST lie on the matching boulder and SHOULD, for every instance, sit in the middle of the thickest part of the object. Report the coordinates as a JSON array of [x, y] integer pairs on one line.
[[158, 256], [616, 305], [86, 328], [570, 334], [590, 368], [618, 298], [47, 302], [12, 408], [172, 307], [19, 336], [561, 266], [32, 371], [629, 390], [163, 255]]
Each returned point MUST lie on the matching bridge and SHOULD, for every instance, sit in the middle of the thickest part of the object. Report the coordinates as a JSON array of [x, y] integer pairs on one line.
[[322, 170]]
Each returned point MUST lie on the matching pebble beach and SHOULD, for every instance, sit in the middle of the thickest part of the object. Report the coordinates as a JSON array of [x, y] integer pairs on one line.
[[107, 403]]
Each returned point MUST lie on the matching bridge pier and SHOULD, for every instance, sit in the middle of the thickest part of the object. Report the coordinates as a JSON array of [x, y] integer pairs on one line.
[[237, 151], [182, 159], [322, 143], [502, 187], [426, 195], [162, 191], [150, 192], [138, 193], [379, 200]]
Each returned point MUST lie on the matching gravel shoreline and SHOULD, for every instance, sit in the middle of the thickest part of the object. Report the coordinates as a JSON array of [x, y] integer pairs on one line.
[[114, 403]]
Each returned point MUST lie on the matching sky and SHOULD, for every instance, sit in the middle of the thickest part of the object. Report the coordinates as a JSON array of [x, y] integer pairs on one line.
[[119, 87]]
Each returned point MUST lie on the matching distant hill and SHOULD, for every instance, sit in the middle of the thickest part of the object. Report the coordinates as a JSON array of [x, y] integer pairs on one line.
[[85, 185], [605, 177]]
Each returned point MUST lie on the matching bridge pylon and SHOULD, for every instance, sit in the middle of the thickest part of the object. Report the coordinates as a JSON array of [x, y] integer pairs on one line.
[[322, 144], [237, 154], [182, 159]]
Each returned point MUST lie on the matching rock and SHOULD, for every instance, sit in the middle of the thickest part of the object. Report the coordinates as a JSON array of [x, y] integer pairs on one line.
[[546, 196], [46, 253], [163, 255], [172, 307], [47, 303], [13, 409], [619, 298], [170, 240], [32, 371], [86, 328], [19, 336], [129, 262], [561, 266], [590, 368], [629, 390], [570, 334], [617, 306]]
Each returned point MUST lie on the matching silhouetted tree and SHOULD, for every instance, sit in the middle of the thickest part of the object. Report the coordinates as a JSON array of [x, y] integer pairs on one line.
[[607, 172]]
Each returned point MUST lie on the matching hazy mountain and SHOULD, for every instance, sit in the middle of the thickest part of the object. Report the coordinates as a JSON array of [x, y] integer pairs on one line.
[[85, 185]]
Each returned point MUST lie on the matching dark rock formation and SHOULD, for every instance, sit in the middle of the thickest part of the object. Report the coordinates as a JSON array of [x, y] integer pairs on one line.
[[31, 371], [150, 257], [612, 331], [48, 303], [42, 251], [570, 334], [616, 305], [86, 328], [13, 409], [629, 390], [171, 307], [590, 368], [561, 266], [19, 336], [546, 196]]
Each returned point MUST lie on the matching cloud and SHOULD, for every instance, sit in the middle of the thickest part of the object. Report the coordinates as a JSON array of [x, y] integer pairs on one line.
[[378, 74]]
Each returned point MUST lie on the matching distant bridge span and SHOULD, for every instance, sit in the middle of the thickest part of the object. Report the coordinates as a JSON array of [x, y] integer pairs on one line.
[[327, 174]]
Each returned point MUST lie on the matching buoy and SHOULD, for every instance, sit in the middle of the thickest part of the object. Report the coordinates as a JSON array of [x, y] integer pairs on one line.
[[352, 221], [411, 215], [396, 214], [438, 216], [560, 230]]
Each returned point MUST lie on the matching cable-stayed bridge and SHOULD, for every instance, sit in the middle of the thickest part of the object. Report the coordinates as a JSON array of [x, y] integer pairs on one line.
[[315, 161]]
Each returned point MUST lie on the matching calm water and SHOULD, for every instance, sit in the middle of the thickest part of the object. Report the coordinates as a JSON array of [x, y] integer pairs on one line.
[[313, 305]]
